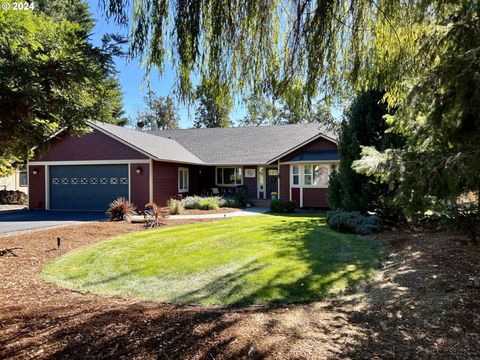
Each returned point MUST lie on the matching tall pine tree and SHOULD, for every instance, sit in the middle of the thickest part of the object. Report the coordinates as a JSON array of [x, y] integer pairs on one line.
[[364, 125]]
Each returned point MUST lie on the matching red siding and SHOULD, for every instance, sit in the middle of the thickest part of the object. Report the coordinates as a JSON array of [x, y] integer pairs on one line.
[[284, 182], [296, 196], [139, 185], [315, 198], [36, 187], [316, 145], [91, 146], [250, 183], [165, 181]]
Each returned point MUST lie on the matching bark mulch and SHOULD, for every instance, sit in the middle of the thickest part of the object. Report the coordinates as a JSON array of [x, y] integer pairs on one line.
[[424, 305]]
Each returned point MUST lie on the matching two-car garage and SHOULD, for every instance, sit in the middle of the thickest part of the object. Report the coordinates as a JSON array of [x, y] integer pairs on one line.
[[86, 187]]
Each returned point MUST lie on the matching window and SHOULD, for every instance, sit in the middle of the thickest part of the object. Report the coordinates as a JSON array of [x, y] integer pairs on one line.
[[229, 176], [295, 175], [183, 180], [23, 179], [307, 175], [261, 177], [316, 175]]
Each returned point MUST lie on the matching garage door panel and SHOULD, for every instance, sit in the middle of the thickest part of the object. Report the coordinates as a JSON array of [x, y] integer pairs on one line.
[[87, 187]]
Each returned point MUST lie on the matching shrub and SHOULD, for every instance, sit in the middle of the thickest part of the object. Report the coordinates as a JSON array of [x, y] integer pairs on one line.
[[463, 218], [191, 202], [208, 204], [175, 206], [241, 196], [233, 203], [119, 209], [12, 197], [279, 206], [352, 222]]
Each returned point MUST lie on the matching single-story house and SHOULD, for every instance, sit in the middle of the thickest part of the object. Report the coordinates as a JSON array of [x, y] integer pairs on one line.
[[291, 162]]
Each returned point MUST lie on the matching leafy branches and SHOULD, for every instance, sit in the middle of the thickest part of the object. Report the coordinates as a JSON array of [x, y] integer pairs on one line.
[[51, 77]]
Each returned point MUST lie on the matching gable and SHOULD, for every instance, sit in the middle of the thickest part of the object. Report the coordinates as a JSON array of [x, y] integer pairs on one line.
[[317, 145], [92, 146]]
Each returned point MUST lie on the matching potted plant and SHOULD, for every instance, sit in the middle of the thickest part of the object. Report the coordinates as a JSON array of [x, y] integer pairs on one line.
[[274, 195]]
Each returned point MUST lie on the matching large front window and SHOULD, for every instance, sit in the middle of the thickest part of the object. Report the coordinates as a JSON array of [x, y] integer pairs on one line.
[[183, 180], [310, 175], [229, 176], [316, 175]]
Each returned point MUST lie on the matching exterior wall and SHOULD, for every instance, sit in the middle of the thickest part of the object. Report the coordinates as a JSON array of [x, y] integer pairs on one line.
[[206, 179], [296, 196], [91, 146], [36, 187], [165, 181], [315, 198], [312, 197], [12, 182], [316, 145], [139, 185], [250, 183], [284, 182]]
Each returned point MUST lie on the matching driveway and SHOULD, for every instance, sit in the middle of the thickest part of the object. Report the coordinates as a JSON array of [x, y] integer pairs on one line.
[[13, 221]]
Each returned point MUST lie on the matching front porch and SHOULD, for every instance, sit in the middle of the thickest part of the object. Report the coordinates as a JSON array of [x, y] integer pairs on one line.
[[256, 182]]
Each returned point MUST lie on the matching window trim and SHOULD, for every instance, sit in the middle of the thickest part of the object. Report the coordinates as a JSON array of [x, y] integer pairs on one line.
[[301, 174], [223, 175], [180, 171], [298, 174], [20, 178]]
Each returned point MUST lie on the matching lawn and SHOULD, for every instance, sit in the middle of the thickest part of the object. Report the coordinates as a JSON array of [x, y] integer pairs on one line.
[[238, 261]]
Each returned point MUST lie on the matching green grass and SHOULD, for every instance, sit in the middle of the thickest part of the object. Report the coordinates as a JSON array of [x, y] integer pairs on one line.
[[239, 261]]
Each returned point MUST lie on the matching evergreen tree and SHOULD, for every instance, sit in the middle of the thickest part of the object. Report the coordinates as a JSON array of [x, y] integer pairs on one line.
[[161, 113], [364, 125], [213, 106]]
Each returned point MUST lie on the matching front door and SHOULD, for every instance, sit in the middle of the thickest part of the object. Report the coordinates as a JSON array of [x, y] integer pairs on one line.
[[271, 182]]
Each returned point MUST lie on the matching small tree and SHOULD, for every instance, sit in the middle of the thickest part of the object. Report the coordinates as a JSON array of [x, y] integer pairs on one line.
[[160, 113]]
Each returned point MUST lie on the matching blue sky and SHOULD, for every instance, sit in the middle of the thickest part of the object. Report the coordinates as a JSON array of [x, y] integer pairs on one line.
[[132, 76]]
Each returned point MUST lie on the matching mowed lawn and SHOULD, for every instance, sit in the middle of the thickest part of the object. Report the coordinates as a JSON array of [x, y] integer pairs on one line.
[[239, 261]]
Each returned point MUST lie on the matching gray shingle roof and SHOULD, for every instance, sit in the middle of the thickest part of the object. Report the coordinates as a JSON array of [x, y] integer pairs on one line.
[[155, 146], [244, 145], [218, 146]]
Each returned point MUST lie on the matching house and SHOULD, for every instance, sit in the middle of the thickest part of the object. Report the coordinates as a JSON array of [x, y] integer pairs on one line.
[[88, 172], [18, 181]]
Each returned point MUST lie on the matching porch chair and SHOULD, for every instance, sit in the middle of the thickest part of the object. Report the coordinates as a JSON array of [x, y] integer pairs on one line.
[[215, 191]]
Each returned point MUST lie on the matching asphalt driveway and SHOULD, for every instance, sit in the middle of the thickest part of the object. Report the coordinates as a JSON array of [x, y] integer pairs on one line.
[[12, 221]]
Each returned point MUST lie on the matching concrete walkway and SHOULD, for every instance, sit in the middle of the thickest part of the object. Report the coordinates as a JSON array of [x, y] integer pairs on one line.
[[243, 212]]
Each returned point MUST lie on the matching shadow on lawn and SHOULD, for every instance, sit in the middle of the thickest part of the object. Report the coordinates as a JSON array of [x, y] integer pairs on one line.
[[421, 308], [328, 263]]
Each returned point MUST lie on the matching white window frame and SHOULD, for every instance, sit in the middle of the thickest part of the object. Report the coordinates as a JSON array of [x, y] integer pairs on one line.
[[301, 174], [260, 186], [293, 175], [20, 178], [183, 170], [223, 175]]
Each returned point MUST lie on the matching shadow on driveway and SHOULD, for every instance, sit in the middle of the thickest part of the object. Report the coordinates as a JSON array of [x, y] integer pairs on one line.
[[13, 221]]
